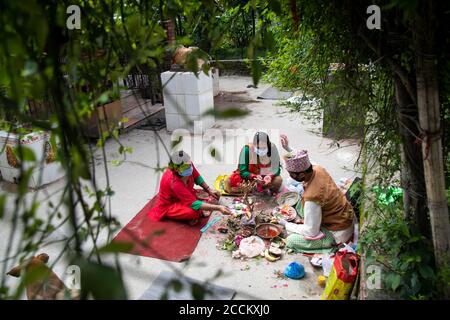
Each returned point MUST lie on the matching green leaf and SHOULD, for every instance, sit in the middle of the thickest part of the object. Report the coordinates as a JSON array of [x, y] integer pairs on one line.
[[35, 274], [415, 239], [198, 291], [116, 162], [2, 205], [109, 191], [426, 271], [25, 153], [101, 281], [29, 69], [405, 231], [104, 97], [415, 283], [275, 6], [229, 113], [177, 285], [395, 282], [191, 63], [24, 181], [256, 71], [158, 233], [116, 247]]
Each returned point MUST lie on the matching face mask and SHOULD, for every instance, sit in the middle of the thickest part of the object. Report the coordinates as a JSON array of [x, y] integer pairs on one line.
[[261, 152], [299, 177], [187, 172]]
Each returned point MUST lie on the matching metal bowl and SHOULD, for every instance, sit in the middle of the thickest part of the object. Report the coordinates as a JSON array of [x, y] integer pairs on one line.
[[268, 230], [289, 198], [291, 217]]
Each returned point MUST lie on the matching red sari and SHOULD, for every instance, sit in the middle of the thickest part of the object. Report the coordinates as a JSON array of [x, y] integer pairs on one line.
[[176, 198]]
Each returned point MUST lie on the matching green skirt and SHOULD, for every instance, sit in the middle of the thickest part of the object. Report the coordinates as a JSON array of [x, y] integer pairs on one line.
[[298, 243]]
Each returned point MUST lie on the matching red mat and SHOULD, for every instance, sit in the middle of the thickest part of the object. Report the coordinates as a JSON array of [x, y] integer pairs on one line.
[[166, 240]]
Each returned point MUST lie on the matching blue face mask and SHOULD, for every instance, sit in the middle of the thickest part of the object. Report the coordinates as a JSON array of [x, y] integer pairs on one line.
[[187, 172], [261, 152]]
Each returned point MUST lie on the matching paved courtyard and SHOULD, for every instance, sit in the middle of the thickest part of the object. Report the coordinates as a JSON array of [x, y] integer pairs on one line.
[[135, 183]]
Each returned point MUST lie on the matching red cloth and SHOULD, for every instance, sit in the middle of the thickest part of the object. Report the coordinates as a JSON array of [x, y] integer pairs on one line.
[[172, 190], [168, 239]]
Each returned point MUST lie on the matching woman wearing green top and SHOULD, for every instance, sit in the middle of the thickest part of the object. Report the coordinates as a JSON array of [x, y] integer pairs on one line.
[[258, 161]]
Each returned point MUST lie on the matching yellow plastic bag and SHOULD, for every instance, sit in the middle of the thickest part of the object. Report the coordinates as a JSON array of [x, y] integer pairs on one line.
[[219, 185], [342, 276]]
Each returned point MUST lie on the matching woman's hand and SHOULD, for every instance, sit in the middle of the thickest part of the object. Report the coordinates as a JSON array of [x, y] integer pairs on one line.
[[259, 178], [224, 210], [267, 180], [214, 193], [285, 143]]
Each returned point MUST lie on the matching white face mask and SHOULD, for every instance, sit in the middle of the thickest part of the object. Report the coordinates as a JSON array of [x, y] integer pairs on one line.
[[261, 151]]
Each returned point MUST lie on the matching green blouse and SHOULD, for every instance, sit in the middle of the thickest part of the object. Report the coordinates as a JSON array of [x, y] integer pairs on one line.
[[197, 203], [244, 160]]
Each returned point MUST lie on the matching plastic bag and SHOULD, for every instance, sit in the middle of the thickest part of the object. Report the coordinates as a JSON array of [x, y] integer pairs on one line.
[[327, 264], [251, 247], [342, 277]]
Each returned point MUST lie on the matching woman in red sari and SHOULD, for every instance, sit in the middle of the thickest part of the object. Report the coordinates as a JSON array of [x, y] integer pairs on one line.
[[177, 197]]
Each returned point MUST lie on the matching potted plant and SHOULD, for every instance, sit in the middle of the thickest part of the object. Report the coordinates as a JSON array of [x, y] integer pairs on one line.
[[38, 153]]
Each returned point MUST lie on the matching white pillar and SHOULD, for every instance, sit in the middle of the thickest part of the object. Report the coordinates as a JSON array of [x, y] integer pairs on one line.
[[186, 99]]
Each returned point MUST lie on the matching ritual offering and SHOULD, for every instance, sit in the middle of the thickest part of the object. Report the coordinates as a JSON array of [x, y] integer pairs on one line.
[[273, 253], [270, 256], [222, 229], [288, 199], [246, 231], [285, 212], [238, 208], [268, 230]]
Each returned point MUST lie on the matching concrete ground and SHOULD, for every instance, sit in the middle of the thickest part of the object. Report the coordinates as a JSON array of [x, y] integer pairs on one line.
[[135, 182]]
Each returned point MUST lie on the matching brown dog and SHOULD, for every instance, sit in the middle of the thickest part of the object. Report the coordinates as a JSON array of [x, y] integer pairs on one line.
[[46, 285]]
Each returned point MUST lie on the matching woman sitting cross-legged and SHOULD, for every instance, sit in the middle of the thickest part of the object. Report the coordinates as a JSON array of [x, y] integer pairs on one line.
[[177, 198], [259, 161]]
